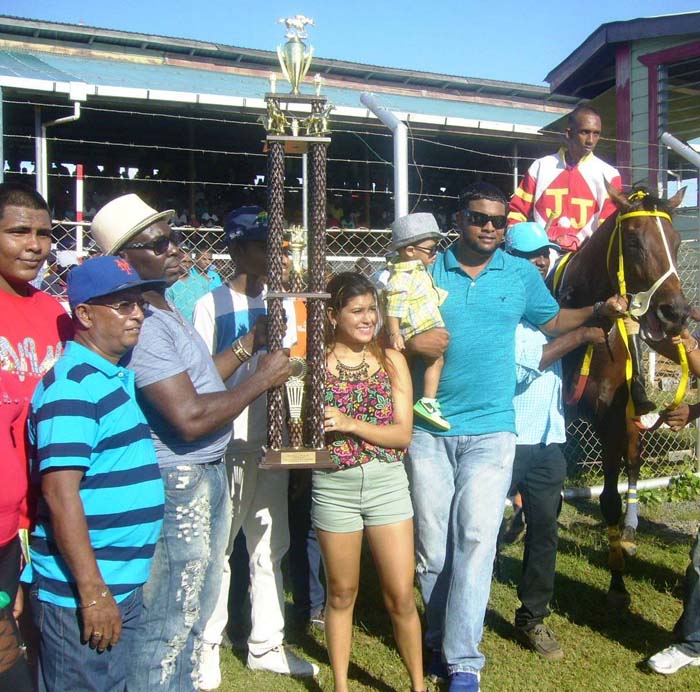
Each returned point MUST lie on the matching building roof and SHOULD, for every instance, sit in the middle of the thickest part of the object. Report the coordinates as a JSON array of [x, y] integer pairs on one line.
[[50, 56], [596, 55]]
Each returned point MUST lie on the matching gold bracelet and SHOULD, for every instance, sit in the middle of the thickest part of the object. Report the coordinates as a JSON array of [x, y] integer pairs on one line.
[[240, 352], [103, 594], [694, 348]]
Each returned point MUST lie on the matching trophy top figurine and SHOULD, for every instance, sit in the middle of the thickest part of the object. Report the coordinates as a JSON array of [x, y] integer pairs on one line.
[[296, 26], [294, 57]]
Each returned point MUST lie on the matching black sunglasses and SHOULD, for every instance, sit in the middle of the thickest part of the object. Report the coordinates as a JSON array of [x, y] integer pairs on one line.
[[157, 246], [430, 251], [478, 218]]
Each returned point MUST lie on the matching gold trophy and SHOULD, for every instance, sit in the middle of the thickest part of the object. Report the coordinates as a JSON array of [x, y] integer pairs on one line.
[[296, 435], [294, 57]]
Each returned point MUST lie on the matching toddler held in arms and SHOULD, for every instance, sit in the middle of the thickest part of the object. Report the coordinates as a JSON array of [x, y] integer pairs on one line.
[[413, 300]]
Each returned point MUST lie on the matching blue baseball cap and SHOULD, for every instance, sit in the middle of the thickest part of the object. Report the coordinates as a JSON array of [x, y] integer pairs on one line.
[[528, 236], [246, 223], [101, 276]]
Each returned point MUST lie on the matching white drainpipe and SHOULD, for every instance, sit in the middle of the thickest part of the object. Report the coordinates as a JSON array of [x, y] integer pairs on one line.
[[400, 151], [41, 156]]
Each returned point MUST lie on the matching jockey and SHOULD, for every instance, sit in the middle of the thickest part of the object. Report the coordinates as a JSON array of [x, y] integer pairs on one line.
[[566, 191]]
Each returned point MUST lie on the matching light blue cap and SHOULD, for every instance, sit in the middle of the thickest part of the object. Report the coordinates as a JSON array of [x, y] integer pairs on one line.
[[528, 236]]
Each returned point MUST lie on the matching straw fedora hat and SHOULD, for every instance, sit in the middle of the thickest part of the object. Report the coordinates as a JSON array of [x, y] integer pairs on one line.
[[123, 218]]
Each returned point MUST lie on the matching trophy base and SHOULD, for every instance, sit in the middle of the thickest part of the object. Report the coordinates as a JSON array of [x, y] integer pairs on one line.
[[291, 458]]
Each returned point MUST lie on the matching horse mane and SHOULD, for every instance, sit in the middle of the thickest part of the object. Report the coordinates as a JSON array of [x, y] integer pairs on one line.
[[641, 199]]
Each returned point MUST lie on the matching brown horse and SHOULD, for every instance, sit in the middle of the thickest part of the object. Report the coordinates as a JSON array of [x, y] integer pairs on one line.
[[648, 243]]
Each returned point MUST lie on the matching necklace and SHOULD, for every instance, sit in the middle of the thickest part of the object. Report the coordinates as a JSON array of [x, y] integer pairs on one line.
[[352, 373]]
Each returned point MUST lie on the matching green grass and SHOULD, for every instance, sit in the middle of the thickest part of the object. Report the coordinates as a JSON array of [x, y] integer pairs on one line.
[[604, 649]]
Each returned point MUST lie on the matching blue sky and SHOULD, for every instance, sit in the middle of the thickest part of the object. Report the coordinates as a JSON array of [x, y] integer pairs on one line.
[[511, 40]]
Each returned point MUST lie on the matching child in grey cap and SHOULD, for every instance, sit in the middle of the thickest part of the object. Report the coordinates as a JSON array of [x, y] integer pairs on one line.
[[413, 301]]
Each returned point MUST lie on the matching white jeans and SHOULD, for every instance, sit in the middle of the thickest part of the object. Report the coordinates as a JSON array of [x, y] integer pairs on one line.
[[259, 500]]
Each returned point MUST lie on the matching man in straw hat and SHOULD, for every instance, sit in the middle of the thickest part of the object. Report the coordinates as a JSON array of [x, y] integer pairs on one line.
[[181, 389]]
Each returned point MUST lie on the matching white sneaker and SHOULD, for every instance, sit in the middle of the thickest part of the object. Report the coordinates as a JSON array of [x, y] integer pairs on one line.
[[284, 661], [671, 660], [209, 668]]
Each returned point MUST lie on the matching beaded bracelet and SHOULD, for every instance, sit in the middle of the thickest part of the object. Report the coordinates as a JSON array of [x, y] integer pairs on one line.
[[103, 594], [240, 351]]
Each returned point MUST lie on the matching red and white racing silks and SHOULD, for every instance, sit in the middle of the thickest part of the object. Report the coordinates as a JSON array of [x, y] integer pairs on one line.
[[574, 195]]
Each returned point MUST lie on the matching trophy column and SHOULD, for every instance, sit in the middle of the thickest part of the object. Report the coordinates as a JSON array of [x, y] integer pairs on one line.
[[316, 306], [275, 308]]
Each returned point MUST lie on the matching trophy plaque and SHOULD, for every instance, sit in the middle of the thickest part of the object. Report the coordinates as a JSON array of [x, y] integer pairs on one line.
[[296, 436]]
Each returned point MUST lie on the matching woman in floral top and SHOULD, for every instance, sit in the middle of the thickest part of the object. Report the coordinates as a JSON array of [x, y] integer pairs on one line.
[[368, 419]]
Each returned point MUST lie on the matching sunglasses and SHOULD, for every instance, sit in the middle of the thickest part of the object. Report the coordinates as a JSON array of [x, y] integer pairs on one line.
[[158, 246], [430, 251], [478, 218], [125, 307]]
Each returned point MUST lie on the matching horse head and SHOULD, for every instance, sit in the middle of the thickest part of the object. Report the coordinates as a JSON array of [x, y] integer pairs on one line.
[[642, 259]]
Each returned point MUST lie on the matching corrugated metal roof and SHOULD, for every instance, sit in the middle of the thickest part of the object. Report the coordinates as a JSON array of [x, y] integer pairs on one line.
[[101, 37], [162, 81]]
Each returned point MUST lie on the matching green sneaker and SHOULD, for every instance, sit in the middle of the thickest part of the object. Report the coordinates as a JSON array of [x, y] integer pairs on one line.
[[430, 411]]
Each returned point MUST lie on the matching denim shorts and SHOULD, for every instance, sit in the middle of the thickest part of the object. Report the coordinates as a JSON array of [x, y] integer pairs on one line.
[[371, 494]]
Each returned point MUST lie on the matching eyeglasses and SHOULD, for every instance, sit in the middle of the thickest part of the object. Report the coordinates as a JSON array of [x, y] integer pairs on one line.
[[157, 246], [125, 307], [478, 218], [430, 251]]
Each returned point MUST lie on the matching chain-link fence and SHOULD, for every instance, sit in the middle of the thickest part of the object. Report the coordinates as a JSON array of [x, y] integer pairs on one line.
[[364, 250]]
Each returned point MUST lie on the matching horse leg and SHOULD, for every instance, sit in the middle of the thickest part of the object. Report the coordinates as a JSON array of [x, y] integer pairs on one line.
[[634, 462], [611, 508]]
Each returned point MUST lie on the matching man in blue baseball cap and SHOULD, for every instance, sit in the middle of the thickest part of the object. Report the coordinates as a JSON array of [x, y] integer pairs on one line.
[[539, 467], [102, 498]]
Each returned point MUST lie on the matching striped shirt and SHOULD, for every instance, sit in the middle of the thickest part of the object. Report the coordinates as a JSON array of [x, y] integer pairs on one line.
[[84, 417]]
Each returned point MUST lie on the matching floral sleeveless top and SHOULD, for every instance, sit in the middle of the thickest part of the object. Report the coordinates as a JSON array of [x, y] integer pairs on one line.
[[368, 400]]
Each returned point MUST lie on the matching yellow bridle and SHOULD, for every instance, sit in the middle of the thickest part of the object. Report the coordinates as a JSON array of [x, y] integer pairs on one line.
[[639, 303]]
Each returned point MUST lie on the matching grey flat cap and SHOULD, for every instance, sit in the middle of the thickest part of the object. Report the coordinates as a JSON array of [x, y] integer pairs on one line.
[[413, 228]]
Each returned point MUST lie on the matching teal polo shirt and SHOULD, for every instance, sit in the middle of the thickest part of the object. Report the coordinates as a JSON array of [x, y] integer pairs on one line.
[[478, 380]]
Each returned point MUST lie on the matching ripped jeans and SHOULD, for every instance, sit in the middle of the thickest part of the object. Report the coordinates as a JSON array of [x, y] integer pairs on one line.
[[183, 586]]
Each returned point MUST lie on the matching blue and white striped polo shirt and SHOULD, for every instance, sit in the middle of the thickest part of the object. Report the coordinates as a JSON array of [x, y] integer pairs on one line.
[[84, 416]]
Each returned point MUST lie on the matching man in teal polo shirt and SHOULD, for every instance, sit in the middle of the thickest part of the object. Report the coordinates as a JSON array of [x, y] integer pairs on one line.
[[489, 292]]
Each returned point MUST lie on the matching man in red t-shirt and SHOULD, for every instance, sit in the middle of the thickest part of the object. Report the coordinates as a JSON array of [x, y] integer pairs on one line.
[[33, 329]]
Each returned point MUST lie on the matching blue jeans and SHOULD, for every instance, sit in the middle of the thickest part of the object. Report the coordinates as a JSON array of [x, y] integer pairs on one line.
[[182, 589], [458, 486], [687, 629], [65, 663]]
